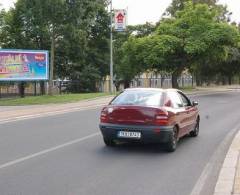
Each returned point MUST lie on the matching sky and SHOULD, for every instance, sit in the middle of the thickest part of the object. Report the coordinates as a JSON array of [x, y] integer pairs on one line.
[[142, 11]]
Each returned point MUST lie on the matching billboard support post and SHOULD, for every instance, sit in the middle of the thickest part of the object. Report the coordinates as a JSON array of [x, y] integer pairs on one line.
[[21, 88], [42, 87], [35, 88]]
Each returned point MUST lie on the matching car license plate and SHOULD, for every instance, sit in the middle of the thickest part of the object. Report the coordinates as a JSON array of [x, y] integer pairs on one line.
[[129, 134]]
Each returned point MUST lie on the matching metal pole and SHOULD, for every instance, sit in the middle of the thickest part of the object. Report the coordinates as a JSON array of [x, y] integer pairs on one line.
[[111, 49], [50, 87]]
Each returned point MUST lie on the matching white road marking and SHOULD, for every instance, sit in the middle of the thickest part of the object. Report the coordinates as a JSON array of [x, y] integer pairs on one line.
[[197, 189], [52, 113], [20, 160]]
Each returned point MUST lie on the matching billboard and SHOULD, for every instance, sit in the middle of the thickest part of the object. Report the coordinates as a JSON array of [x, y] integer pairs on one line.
[[23, 65]]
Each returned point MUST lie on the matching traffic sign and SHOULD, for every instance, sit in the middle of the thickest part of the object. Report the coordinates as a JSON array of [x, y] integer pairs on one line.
[[120, 19]]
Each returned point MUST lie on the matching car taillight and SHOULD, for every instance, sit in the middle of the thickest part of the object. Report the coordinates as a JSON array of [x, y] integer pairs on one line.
[[162, 118], [104, 116]]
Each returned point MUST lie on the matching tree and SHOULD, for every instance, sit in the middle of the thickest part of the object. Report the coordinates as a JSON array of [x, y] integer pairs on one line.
[[231, 65], [125, 62], [178, 5], [75, 31], [127, 68], [193, 36], [141, 30], [193, 39]]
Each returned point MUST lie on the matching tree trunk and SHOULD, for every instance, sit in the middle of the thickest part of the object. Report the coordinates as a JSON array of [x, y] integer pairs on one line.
[[117, 85], [126, 84], [175, 76], [198, 80], [21, 88], [192, 80], [223, 81], [230, 80], [162, 80]]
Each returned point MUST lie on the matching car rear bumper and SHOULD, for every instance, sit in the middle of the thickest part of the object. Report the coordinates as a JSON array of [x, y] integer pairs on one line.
[[149, 134]]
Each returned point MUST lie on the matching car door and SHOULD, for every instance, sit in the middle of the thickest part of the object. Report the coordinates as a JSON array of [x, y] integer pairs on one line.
[[190, 113], [179, 112]]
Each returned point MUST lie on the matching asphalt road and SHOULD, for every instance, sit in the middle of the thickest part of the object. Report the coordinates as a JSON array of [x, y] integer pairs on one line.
[[64, 154]]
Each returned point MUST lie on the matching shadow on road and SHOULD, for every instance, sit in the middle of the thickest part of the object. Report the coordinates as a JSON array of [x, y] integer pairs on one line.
[[138, 148]]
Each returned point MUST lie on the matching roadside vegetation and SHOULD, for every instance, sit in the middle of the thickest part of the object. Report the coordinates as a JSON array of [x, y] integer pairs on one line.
[[195, 36], [53, 99]]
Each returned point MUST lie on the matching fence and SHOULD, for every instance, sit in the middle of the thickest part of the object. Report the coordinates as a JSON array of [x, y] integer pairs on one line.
[[34, 88], [159, 81], [162, 82], [12, 89]]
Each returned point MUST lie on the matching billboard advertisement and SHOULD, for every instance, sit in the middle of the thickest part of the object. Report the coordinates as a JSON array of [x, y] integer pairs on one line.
[[23, 65]]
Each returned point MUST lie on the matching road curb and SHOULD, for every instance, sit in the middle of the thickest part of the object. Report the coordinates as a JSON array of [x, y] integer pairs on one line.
[[209, 92], [228, 182], [50, 110]]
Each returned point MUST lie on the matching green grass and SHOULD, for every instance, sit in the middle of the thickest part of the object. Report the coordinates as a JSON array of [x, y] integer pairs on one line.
[[188, 89], [46, 99]]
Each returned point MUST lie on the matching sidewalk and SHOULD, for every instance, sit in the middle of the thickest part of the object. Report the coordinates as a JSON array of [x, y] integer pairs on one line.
[[13, 113], [229, 178]]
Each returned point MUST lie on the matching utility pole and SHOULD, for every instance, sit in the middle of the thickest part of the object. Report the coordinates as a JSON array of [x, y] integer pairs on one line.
[[50, 87], [111, 48]]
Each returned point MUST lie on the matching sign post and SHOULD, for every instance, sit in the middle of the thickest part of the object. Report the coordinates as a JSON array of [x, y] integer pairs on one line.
[[111, 48], [120, 23]]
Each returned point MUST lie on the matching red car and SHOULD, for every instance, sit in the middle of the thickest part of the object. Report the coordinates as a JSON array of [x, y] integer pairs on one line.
[[149, 115]]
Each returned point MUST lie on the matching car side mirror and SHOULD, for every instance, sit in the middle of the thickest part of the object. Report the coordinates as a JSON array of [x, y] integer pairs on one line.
[[194, 103]]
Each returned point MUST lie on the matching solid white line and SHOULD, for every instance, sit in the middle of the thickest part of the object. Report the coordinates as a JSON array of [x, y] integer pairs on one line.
[[212, 163], [51, 113], [14, 162]]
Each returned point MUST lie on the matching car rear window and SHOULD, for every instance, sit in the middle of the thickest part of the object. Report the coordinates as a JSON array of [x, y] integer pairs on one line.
[[139, 98]]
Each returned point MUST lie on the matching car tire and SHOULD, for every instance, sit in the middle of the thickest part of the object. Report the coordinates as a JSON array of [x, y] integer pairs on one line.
[[195, 131], [172, 143], [109, 142]]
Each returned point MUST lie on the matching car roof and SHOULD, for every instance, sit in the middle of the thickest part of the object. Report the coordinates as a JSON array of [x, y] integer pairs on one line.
[[151, 89]]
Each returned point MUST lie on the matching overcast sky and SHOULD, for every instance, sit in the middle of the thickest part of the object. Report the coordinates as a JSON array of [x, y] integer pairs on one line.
[[142, 11]]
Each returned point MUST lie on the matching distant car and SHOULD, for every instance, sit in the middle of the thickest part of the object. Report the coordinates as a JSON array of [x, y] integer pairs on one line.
[[149, 115]]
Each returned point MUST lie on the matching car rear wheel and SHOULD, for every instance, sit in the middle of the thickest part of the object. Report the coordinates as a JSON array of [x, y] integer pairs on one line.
[[109, 142], [172, 143], [195, 131]]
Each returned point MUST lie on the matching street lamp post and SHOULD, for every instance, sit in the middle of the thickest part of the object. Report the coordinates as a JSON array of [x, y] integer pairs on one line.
[[111, 48]]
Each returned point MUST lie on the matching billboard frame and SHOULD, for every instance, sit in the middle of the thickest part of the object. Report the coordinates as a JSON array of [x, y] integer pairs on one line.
[[45, 52]]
